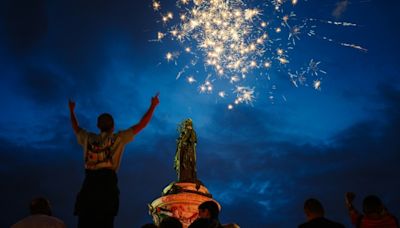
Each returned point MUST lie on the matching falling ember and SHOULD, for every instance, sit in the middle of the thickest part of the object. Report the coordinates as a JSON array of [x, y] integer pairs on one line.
[[160, 36], [169, 56], [263, 24], [244, 94], [156, 5], [317, 84], [191, 79], [283, 60], [234, 79]]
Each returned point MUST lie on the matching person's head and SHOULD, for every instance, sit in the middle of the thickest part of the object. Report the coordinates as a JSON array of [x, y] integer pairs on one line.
[[41, 206], [372, 205], [170, 222], [209, 209], [105, 122], [313, 209]]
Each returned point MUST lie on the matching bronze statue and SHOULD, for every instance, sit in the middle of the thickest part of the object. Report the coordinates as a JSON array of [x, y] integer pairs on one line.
[[185, 157]]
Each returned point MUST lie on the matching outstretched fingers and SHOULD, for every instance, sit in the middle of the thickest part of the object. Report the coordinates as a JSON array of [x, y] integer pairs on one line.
[[71, 104], [155, 100]]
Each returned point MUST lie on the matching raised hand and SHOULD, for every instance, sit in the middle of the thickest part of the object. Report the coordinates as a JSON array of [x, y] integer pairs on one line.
[[350, 196], [71, 105], [154, 100]]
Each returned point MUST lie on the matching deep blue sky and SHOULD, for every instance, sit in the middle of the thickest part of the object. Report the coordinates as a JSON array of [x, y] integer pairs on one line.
[[260, 162]]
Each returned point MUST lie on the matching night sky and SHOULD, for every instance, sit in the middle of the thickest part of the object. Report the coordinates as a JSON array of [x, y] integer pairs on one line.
[[259, 161]]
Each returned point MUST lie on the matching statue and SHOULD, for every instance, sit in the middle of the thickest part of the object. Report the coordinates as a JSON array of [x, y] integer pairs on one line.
[[185, 157], [181, 198]]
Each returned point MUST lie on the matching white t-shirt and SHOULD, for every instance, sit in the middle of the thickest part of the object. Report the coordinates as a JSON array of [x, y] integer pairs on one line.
[[103, 150], [39, 221]]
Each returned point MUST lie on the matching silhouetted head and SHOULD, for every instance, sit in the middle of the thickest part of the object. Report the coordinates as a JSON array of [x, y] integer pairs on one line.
[[313, 209], [170, 222], [209, 209], [105, 123], [41, 206], [372, 204]]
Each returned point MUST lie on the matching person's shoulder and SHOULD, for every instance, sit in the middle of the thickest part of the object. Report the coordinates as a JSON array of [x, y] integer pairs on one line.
[[39, 219], [56, 222], [304, 225], [333, 224], [321, 222], [126, 135]]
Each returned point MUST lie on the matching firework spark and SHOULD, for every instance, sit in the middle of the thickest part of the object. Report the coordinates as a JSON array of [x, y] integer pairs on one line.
[[242, 45]]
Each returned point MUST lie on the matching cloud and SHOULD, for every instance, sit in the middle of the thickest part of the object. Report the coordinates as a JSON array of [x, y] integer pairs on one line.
[[26, 24], [259, 175], [278, 176], [341, 7], [43, 86]]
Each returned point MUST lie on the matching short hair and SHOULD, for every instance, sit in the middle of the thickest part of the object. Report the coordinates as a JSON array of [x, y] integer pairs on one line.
[[40, 205], [105, 122], [372, 204], [212, 207], [314, 206], [170, 222]]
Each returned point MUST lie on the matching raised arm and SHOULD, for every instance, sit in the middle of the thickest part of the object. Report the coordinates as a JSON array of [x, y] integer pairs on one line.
[[354, 215], [74, 121], [147, 116]]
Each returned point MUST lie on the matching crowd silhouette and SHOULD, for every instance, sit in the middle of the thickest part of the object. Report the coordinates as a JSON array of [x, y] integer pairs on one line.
[[375, 215]]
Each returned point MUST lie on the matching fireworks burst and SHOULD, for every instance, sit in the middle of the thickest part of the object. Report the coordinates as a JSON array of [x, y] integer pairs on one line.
[[240, 44]]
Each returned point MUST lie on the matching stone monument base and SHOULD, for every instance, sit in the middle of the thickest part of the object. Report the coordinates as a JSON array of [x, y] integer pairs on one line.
[[180, 200]]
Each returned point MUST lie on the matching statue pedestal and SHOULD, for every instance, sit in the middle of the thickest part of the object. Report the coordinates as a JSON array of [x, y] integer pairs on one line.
[[180, 200]]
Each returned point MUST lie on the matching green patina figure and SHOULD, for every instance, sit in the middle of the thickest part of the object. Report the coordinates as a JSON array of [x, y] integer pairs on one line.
[[185, 157]]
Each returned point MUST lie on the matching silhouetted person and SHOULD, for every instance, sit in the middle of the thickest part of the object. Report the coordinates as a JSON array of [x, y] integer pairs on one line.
[[97, 202], [375, 213], [200, 223], [149, 225], [170, 222], [41, 216], [208, 216], [315, 216]]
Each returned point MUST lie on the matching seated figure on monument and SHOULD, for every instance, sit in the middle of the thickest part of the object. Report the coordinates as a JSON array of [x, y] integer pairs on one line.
[[185, 157]]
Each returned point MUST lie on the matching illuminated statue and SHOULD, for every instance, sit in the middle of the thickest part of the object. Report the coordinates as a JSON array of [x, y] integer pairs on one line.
[[185, 157]]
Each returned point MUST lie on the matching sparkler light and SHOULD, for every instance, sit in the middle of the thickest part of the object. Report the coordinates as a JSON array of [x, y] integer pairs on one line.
[[238, 44]]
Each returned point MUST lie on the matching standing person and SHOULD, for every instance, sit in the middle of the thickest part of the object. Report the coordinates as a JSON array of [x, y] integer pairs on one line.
[[170, 222], [208, 216], [41, 216], [97, 202], [315, 214], [375, 213]]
